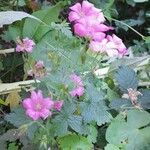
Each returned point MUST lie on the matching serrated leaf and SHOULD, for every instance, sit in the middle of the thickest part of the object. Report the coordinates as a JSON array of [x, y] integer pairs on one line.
[[67, 119], [63, 27], [144, 99], [74, 142], [17, 117], [126, 78], [131, 131], [13, 99], [94, 109], [8, 17], [120, 104]]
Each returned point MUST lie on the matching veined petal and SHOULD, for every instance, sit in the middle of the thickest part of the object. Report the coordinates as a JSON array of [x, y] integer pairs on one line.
[[27, 103], [86, 6], [73, 16], [44, 113], [76, 7], [80, 30], [34, 95], [33, 114], [48, 103]]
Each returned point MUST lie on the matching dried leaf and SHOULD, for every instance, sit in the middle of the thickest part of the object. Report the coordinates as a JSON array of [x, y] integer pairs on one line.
[[13, 99]]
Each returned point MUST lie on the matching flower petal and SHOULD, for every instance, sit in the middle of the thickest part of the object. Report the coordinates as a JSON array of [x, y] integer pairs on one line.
[[76, 7], [48, 103], [73, 16], [80, 30], [27, 103], [44, 113], [33, 114]]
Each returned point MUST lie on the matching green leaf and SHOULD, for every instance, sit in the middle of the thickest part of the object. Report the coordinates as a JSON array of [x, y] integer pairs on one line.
[[67, 119], [126, 78], [111, 147], [13, 32], [111, 94], [94, 109], [92, 133], [63, 28], [131, 131], [121, 104], [12, 146], [144, 100], [74, 142], [36, 30], [17, 117]]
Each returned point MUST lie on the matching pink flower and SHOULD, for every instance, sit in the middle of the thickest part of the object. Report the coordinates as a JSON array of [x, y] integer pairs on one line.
[[83, 30], [104, 47], [38, 107], [25, 45], [122, 50], [82, 11], [58, 105], [112, 45], [78, 91], [76, 79], [39, 64]]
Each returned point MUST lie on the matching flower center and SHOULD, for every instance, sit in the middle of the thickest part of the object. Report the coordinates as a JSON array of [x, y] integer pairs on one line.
[[38, 106]]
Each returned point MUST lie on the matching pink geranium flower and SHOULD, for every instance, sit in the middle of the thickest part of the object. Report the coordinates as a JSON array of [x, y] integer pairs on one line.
[[76, 79], [58, 105], [85, 30], [122, 50], [78, 91], [82, 11], [104, 47], [38, 107], [112, 46], [25, 45]]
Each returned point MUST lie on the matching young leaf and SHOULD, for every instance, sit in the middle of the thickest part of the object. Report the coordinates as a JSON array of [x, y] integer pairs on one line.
[[126, 78], [74, 142]]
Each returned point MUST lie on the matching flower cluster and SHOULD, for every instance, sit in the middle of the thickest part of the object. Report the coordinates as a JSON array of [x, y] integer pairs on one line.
[[89, 23], [38, 70], [38, 107], [79, 89], [26, 45]]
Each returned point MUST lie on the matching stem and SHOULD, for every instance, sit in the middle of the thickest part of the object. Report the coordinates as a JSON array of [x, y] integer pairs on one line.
[[142, 36]]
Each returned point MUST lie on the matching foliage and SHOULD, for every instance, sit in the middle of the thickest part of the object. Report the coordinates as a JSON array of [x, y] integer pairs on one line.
[[130, 134], [112, 113]]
